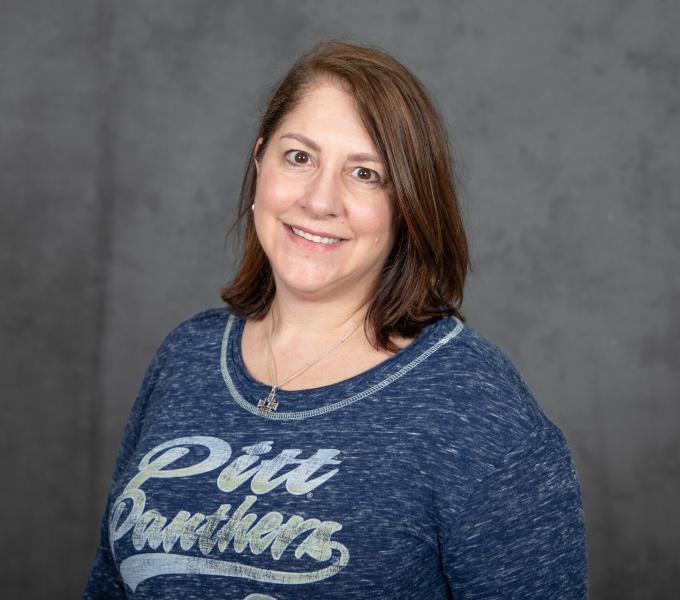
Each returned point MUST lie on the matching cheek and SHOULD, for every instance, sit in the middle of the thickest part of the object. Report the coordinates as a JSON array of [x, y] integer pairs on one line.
[[274, 191], [375, 220]]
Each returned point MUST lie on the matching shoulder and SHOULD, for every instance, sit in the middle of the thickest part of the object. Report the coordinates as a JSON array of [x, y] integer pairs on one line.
[[201, 321], [487, 364], [204, 329], [479, 399]]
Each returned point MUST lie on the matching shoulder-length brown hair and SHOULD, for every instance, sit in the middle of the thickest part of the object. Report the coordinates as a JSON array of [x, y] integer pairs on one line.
[[423, 277]]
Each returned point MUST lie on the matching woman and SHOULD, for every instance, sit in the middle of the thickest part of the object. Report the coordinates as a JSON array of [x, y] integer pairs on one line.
[[338, 432]]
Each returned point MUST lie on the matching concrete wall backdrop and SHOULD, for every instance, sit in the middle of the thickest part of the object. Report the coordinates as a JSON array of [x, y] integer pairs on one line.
[[124, 127]]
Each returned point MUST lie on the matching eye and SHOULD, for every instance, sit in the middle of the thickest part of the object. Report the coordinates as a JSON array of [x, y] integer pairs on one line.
[[297, 157], [367, 175]]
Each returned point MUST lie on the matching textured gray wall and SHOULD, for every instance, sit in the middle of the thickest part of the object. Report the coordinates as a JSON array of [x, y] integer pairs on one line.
[[124, 127]]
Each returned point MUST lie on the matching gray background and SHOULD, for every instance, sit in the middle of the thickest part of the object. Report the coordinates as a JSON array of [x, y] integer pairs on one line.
[[124, 127]]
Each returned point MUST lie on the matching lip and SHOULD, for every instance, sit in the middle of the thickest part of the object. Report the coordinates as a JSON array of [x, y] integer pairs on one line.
[[319, 233], [309, 245]]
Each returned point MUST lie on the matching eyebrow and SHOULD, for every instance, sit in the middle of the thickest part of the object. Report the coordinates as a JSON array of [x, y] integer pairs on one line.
[[361, 156]]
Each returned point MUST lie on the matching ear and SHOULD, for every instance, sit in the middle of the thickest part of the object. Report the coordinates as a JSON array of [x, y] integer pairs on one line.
[[258, 145]]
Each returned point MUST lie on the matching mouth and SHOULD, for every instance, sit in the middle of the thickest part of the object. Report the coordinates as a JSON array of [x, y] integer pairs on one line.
[[324, 239]]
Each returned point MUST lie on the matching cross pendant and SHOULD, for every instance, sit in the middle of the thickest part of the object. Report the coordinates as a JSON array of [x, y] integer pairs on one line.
[[268, 404]]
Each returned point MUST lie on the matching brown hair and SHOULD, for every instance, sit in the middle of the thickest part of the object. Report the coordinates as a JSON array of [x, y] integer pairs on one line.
[[423, 277]]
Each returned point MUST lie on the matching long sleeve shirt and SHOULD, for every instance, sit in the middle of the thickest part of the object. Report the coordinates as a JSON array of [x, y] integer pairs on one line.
[[432, 475]]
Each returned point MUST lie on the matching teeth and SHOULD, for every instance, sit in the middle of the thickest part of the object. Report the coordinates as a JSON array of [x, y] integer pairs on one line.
[[315, 238]]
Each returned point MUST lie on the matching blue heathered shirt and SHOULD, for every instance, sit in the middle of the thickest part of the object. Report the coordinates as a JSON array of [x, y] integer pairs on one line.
[[432, 475]]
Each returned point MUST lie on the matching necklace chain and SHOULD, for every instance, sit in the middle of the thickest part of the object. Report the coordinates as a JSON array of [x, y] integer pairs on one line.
[[270, 403]]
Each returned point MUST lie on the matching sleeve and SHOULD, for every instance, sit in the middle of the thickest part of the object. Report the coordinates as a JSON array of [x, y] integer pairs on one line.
[[522, 532], [104, 581]]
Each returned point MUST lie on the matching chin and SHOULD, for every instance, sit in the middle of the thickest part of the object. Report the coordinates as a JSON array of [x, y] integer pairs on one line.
[[303, 279], [312, 290]]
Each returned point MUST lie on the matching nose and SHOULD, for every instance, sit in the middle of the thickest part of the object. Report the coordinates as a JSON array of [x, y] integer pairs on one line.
[[323, 195]]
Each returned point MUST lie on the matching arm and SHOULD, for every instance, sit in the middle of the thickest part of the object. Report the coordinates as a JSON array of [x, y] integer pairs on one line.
[[104, 581], [522, 532]]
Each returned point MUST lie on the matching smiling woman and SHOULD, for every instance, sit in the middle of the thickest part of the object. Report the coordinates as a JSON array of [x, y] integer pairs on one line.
[[344, 109], [278, 449], [324, 219]]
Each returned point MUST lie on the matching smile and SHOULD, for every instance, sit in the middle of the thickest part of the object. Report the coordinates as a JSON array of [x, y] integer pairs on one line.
[[314, 238]]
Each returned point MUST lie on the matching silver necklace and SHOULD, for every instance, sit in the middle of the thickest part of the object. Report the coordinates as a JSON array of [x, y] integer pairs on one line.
[[270, 403]]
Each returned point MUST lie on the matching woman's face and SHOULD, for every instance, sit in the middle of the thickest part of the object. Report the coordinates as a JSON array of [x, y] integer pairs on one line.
[[324, 214]]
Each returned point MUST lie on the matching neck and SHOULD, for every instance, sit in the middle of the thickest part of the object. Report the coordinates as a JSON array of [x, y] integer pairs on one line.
[[315, 322]]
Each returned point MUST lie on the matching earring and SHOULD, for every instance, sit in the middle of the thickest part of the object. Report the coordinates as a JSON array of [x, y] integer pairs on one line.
[[253, 206]]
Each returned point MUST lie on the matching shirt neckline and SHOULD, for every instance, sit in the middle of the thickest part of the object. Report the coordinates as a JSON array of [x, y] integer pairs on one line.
[[246, 391]]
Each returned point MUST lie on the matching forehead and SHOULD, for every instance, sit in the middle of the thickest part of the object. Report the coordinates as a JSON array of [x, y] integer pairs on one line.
[[327, 110]]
